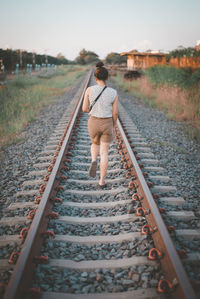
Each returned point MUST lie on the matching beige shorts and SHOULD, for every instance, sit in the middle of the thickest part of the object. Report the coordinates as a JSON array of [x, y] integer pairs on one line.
[[100, 129]]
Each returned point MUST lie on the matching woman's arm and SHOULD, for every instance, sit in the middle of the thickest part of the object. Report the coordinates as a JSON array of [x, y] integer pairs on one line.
[[115, 111], [86, 103]]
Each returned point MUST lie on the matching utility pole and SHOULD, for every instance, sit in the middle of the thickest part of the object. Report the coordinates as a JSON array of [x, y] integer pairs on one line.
[[20, 58], [33, 57]]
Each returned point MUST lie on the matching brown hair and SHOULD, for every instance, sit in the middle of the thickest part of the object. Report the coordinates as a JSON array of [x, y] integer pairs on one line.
[[101, 72]]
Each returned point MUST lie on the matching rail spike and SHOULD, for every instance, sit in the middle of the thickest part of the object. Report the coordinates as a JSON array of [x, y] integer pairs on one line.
[[147, 230], [37, 200], [23, 233], [57, 199], [136, 197], [48, 233], [155, 254], [142, 212], [13, 257], [43, 259], [165, 286], [31, 214]]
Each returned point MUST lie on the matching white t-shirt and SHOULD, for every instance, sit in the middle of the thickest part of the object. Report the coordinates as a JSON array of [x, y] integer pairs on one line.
[[103, 106]]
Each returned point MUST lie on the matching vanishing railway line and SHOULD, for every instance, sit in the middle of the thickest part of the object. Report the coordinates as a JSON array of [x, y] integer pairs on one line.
[[82, 242]]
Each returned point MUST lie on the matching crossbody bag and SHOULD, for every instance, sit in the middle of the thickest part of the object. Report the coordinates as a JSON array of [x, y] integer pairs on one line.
[[91, 106]]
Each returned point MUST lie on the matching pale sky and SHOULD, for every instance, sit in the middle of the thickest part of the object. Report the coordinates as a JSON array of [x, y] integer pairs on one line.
[[103, 26]]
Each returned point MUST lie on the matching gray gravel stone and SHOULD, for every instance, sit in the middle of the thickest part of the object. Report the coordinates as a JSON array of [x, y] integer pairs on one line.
[[101, 280], [135, 277]]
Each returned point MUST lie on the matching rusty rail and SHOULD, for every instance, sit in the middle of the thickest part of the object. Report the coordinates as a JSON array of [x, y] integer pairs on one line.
[[171, 264], [21, 279]]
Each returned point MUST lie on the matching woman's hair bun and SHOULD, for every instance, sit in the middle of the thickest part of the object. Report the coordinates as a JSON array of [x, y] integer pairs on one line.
[[99, 64]]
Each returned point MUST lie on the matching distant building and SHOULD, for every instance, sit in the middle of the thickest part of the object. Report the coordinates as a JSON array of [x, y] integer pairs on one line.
[[142, 60], [197, 47]]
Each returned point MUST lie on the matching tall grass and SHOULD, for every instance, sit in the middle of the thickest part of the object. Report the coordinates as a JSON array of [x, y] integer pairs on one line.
[[178, 103], [22, 99], [168, 75]]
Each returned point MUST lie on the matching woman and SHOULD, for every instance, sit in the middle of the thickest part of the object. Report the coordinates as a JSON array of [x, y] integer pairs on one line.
[[103, 117]]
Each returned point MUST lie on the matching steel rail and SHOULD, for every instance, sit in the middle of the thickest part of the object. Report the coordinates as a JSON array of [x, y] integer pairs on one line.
[[21, 279], [170, 262]]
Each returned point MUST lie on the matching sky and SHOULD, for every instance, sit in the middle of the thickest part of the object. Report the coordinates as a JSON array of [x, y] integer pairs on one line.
[[103, 26]]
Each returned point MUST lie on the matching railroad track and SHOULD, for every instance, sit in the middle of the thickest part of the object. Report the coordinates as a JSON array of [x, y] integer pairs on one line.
[[82, 242]]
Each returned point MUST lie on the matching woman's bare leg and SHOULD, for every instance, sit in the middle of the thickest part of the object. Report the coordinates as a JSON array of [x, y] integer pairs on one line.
[[104, 147], [94, 151]]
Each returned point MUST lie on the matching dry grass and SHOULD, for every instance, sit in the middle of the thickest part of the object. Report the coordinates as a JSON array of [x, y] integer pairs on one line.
[[177, 103], [22, 99]]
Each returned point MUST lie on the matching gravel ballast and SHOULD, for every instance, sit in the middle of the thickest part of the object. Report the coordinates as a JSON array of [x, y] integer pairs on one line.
[[18, 159], [97, 229], [170, 146], [176, 152], [101, 280], [78, 252]]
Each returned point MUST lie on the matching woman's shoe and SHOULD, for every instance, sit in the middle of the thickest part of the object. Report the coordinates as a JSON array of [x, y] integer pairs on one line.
[[102, 186], [93, 169]]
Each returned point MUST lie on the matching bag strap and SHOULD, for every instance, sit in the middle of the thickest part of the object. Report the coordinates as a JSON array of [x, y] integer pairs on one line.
[[97, 98]]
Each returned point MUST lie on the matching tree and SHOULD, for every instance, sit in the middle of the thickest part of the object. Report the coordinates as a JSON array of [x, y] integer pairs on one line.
[[87, 57], [115, 58], [184, 52], [61, 58]]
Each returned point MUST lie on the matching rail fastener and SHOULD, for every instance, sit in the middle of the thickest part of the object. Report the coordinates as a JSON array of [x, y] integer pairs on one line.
[[23, 233], [13, 257], [132, 185], [155, 254], [46, 177], [147, 230], [43, 259], [182, 253], [165, 286], [142, 211], [57, 199], [37, 199], [31, 214], [53, 215], [48, 233], [42, 188], [136, 197], [171, 228]]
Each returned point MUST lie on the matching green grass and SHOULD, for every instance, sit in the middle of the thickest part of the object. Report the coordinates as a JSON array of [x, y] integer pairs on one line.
[[22, 99], [181, 77]]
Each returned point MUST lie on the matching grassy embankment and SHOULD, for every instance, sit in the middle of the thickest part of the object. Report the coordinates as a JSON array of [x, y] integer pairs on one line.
[[22, 99], [174, 91]]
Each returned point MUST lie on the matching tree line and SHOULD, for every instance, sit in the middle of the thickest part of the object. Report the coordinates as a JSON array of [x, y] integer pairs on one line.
[[183, 52], [89, 57], [10, 58]]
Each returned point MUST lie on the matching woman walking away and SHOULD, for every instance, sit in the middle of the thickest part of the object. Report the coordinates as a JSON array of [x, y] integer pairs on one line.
[[100, 102]]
